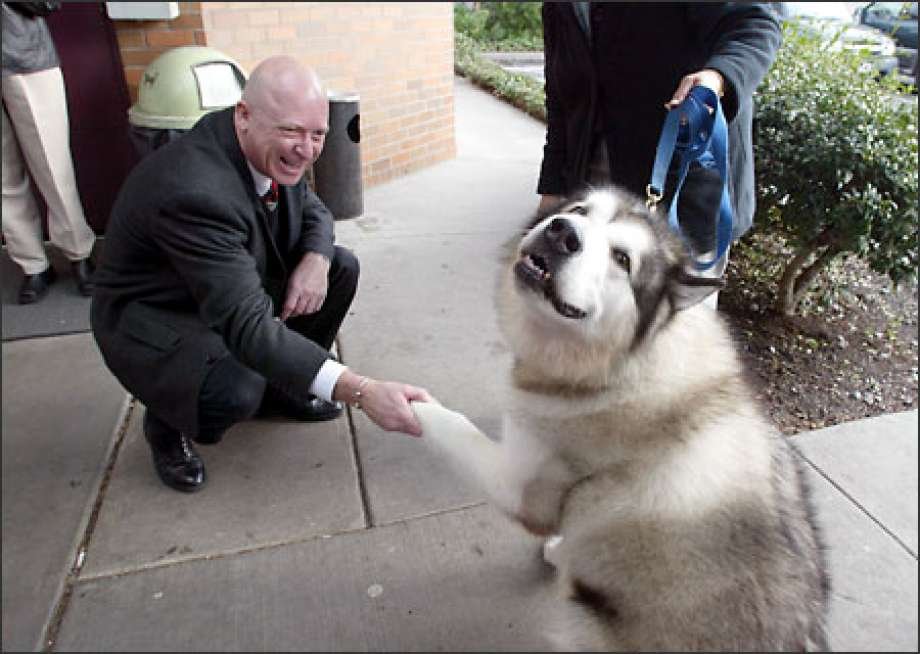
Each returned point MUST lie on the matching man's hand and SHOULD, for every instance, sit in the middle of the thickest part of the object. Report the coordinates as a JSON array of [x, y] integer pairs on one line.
[[385, 403], [711, 79], [307, 286]]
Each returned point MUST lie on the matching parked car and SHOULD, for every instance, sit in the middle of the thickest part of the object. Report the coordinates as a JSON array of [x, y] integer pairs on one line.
[[834, 22], [899, 19]]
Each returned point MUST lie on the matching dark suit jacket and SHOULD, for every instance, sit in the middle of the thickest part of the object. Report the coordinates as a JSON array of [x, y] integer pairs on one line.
[[638, 54], [190, 271]]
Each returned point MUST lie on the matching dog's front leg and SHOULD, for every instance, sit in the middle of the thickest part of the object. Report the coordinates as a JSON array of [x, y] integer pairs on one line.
[[521, 476]]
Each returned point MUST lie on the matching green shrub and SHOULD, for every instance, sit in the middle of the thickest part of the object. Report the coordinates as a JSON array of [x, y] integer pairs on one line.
[[520, 90], [501, 26], [470, 22], [836, 155], [517, 23]]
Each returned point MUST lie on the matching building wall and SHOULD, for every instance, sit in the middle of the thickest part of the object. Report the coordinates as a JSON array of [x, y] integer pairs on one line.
[[397, 55]]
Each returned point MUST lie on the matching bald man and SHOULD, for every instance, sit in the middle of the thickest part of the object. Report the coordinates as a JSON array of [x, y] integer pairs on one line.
[[213, 303]]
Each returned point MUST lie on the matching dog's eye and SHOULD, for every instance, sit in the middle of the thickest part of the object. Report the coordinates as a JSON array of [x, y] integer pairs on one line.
[[621, 258], [580, 209]]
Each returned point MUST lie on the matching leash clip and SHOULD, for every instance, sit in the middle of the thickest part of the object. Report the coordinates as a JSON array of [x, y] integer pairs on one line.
[[652, 198]]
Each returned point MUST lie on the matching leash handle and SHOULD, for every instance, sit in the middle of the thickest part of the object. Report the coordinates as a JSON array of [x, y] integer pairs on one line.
[[695, 134]]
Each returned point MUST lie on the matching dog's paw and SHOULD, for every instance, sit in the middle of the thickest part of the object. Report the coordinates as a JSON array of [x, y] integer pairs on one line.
[[443, 425]]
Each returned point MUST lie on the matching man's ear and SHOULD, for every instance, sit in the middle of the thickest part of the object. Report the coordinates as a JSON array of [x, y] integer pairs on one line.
[[687, 288], [241, 115]]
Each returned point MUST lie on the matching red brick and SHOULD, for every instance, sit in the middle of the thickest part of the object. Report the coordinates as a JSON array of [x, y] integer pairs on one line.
[[226, 18], [140, 57], [170, 38], [131, 39]]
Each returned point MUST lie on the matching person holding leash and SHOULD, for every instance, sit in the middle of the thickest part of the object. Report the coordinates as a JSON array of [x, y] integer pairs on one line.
[[221, 289], [612, 72]]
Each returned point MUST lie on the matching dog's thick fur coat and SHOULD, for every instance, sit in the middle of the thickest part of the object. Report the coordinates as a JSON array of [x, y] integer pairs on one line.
[[685, 516]]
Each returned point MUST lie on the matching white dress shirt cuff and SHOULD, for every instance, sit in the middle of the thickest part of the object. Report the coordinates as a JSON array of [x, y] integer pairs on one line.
[[325, 380]]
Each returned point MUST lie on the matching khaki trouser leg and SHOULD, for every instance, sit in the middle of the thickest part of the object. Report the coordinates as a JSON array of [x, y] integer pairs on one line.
[[37, 109], [22, 226]]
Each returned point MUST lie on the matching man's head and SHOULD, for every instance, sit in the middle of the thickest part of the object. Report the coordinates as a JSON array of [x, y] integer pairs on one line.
[[282, 119]]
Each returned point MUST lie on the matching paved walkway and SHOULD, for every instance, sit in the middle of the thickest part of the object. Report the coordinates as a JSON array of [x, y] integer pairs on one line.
[[339, 536]]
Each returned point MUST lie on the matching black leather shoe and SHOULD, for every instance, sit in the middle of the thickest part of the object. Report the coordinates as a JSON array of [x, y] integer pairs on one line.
[[174, 457], [316, 410], [83, 274], [35, 286]]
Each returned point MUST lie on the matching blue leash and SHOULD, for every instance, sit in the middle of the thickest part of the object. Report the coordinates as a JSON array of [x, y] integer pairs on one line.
[[696, 135]]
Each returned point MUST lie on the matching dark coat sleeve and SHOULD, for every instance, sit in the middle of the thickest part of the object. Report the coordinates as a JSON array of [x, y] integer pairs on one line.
[[744, 38], [554, 151], [206, 246]]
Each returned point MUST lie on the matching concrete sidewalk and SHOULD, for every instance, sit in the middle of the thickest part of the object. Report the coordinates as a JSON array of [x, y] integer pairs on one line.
[[339, 536]]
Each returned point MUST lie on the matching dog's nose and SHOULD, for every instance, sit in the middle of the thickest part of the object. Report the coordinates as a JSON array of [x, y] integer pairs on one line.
[[562, 236]]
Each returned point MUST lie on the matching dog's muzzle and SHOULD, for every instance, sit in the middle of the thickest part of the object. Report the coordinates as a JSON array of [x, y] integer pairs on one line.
[[540, 260]]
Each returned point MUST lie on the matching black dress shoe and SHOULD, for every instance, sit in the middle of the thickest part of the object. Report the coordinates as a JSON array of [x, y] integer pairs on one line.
[[83, 273], [35, 286], [174, 457], [316, 410]]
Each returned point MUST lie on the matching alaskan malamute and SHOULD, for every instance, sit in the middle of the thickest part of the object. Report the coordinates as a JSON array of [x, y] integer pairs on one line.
[[685, 516]]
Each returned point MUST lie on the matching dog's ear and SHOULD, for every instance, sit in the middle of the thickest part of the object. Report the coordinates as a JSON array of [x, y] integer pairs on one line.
[[687, 288]]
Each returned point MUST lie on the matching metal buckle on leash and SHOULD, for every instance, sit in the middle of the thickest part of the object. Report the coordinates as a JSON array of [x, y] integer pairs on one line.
[[652, 198]]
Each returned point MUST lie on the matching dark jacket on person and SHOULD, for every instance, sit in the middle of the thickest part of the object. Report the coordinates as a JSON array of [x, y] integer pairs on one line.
[[27, 46], [191, 270], [618, 82]]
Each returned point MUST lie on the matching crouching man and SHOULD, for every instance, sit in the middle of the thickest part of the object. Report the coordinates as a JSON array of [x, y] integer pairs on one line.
[[220, 289]]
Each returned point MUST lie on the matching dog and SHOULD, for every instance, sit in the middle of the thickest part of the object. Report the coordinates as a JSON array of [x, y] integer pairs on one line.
[[685, 517]]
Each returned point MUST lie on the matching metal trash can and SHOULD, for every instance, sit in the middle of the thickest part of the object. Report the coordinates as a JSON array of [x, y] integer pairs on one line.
[[337, 172], [179, 87]]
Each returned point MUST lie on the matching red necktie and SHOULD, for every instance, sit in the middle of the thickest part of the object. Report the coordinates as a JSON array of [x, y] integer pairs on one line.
[[271, 196]]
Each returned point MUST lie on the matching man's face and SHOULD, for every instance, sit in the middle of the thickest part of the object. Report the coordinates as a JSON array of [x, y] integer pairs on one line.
[[283, 139]]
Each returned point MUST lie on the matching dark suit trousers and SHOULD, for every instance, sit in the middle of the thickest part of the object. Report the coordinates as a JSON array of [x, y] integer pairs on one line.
[[232, 392]]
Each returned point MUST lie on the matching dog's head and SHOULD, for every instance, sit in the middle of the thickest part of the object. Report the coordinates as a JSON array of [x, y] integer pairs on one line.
[[600, 268]]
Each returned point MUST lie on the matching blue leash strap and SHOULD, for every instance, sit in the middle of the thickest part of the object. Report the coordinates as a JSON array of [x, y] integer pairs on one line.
[[694, 134]]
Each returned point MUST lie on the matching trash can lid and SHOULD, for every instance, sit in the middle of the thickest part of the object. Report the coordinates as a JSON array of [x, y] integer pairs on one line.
[[183, 84], [343, 96]]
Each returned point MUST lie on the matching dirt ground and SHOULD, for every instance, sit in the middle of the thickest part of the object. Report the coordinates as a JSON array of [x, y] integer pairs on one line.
[[849, 353]]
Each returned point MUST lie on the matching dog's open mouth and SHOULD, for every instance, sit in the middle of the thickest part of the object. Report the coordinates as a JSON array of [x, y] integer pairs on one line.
[[533, 272]]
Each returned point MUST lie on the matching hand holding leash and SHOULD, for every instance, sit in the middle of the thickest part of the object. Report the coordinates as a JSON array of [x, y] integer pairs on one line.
[[694, 131], [711, 79]]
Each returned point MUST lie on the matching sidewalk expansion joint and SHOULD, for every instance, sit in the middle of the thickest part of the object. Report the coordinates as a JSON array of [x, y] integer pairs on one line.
[[436, 512], [158, 565], [355, 455], [73, 575], [856, 503], [214, 556]]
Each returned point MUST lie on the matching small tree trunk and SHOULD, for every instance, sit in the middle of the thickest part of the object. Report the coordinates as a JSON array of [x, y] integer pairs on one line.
[[786, 298], [808, 275], [797, 276]]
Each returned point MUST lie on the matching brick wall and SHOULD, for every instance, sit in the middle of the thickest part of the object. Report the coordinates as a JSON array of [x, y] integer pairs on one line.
[[397, 56], [142, 41]]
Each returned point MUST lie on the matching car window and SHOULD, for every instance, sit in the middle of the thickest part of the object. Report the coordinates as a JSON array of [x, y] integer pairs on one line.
[[893, 10], [885, 10]]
